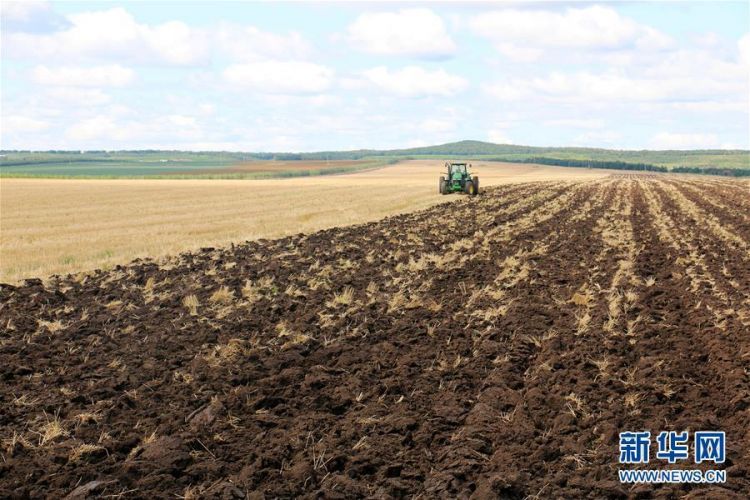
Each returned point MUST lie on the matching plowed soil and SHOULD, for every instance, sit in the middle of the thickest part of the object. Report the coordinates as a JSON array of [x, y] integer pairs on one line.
[[488, 348]]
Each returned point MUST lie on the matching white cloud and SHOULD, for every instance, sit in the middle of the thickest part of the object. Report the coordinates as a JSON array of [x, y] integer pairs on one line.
[[31, 16], [351, 83], [116, 34], [707, 40], [586, 123], [517, 53], [76, 97], [112, 33], [614, 87], [667, 140], [23, 11], [182, 121], [415, 143], [222, 146], [94, 131], [206, 109], [692, 64], [744, 48], [408, 32], [712, 106], [280, 77], [248, 43], [512, 90], [322, 100], [599, 138], [112, 75], [414, 81], [175, 42], [498, 136], [94, 128], [436, 126], [17, 123], [597, 63], [526, 34]]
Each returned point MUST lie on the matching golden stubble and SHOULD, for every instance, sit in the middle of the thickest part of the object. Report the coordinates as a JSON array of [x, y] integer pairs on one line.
[[59, 226]]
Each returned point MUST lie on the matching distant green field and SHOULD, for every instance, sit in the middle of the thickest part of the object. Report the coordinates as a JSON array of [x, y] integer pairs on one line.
[[183, 165], [714, 158], [99, 169], [102, 164], [231, 165]]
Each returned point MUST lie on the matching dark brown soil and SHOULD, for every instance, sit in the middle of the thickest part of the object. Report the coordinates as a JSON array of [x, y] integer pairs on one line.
[[486, 348]]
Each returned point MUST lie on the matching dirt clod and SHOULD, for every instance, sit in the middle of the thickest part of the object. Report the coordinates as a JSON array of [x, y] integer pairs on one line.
[[491, 347]]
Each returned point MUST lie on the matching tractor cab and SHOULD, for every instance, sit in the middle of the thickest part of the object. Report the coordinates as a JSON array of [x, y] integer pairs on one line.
[[457, 170], [458, 179]]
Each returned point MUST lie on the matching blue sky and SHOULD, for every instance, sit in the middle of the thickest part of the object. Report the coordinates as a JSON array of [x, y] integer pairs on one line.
[[314, 76]]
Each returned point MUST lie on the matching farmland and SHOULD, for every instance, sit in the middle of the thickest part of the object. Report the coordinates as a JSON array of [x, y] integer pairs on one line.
[[55, 226], [466, 349], [174, 165], [234, 165]]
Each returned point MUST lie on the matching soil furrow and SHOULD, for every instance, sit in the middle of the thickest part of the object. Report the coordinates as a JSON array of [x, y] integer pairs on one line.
[[490, 348]]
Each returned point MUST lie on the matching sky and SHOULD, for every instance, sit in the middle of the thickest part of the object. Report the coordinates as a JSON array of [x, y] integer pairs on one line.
[[311, 76]]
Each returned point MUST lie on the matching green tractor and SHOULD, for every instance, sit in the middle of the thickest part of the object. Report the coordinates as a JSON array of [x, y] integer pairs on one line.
[[459, 180]]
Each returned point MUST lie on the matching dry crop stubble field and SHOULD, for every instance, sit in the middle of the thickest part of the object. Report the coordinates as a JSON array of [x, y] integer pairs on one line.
[[54, 226], [491, 347]]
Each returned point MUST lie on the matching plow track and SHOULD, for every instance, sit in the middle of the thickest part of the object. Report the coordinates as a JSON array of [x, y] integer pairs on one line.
[[490, 347]]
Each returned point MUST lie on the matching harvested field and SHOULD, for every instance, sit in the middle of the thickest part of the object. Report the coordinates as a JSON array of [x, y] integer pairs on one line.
[[54, 226], [490, 347]]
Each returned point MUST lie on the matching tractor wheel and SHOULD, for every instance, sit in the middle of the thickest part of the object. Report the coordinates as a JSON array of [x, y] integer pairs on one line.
[[471, 190], [442, 187], [475, 180]]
